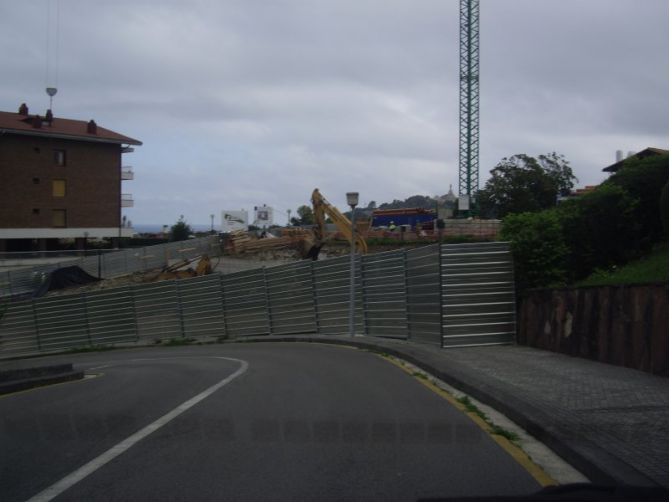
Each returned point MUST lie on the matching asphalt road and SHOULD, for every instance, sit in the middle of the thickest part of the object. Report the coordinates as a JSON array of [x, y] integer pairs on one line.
[[270, 422]]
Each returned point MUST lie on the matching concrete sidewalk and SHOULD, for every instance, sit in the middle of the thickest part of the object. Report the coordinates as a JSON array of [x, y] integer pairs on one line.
[[611, 423]]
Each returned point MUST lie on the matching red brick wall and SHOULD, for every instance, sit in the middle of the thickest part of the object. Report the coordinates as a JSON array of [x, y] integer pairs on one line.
[[92, 173]]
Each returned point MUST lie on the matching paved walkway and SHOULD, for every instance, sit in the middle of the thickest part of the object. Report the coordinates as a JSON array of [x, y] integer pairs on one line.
[[609, 422]]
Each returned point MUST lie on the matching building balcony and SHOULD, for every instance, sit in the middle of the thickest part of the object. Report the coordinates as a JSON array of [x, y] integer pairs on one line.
[[126, 200], [127, 173]]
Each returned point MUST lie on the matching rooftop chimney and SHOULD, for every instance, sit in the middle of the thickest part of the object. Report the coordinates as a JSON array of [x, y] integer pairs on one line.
[[49, 116], [37, 121], [92, 127], [619, 155], [23, 109]]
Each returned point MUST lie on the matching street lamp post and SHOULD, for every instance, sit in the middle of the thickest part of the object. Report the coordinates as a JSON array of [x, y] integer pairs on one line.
[[352, 200]]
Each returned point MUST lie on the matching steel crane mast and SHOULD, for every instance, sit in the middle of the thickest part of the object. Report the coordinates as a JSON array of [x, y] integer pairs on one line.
[[469, 97]]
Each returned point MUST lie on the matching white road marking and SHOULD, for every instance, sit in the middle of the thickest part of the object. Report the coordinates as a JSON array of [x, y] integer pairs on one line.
[[106, 457]]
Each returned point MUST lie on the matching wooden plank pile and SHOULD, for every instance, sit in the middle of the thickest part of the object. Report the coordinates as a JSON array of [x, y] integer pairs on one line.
[[240, 241]]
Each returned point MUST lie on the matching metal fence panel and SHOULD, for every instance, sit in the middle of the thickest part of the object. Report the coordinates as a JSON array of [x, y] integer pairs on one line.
[[424, 294], [455, 295], [245, 299], [291, 298], [25, 280], [478, 299], [332, 293], [18, 332], [157, 311], [62, 322], [384, 293], [111, 316], [201, 300]]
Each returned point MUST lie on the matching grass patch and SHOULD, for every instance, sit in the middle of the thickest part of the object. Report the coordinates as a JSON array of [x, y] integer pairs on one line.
[[420, 375], [472, 408], [494, 429], [501, 431], [651, 268]]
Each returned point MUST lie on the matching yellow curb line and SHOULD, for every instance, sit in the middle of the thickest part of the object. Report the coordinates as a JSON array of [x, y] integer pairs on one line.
[[87, 376], [512, 449]]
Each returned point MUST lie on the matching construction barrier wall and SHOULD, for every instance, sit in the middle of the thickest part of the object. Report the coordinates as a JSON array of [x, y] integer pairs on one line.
[[446, 295]]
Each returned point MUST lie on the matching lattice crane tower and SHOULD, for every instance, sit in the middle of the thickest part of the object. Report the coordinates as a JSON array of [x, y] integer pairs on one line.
[[469, 97]]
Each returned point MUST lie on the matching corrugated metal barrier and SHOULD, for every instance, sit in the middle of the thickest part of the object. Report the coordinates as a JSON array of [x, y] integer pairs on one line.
[[447, 295]]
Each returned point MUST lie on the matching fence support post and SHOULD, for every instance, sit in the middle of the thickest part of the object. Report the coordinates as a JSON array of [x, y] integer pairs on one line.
[[268, 305], [134, 312], [315, 297], [84, 302], [441, 296], [35, 318], [406, 292], [180, 309], [226, 332], [363, 297]]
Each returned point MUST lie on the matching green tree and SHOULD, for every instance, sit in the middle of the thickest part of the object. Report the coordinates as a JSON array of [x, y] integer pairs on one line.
[[306, 215], [181, 230], [664, 209], [643, 180], [522, 183]]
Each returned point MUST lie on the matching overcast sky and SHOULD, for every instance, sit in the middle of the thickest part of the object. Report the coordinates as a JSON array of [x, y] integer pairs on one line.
[[249, 102]]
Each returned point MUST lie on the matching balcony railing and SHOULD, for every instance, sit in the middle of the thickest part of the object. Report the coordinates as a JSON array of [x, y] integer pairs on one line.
[[127, 173], [126, 200]]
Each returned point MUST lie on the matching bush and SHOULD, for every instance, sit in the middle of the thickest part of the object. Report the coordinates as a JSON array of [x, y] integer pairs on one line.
[[643, 180], [600, 230], [664, 209], [538, 246]]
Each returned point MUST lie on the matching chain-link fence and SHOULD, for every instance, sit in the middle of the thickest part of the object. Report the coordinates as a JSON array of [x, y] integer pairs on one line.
[[24, 281], [447, 295]]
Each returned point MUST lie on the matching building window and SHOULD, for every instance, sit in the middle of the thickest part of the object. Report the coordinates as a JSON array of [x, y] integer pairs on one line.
[[59, 218], [59, 187], [35, 181], [36, 211], [59, 157]]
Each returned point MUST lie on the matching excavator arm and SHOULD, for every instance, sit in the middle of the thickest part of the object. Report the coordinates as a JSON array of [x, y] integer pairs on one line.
[[323, 208]]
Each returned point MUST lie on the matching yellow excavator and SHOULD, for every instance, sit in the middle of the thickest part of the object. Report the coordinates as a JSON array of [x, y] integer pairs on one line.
[[308, 242], [323, 208]]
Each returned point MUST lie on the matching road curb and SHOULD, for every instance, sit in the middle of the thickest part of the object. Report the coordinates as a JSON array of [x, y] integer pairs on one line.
[[16, 380], [591, 459]]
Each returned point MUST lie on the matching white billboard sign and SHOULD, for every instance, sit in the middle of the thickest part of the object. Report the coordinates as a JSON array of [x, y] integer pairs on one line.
[[234, 220], [264, 216]]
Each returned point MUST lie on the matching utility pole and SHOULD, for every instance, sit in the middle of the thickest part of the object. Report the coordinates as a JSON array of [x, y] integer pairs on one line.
[[469, 99]]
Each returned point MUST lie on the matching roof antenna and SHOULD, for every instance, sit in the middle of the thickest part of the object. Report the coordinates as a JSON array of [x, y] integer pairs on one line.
[[51, 91], [52, 31]]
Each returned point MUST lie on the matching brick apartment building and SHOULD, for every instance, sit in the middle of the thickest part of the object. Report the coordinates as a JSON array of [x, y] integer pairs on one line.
[[59, 179]]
